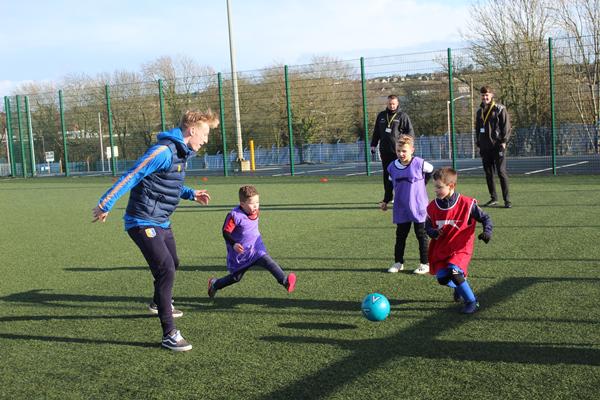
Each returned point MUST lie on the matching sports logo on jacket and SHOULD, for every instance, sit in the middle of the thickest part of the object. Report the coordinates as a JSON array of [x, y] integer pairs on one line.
[[150, 232]]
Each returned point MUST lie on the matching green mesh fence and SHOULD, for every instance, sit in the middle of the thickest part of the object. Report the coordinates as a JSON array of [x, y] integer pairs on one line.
[[421, 82], [519, 74], [86, 130], [577, 103], [555, 128]]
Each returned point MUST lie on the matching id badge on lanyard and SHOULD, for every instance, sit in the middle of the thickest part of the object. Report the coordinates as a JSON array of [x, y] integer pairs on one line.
[[485, 119], [390, 122]]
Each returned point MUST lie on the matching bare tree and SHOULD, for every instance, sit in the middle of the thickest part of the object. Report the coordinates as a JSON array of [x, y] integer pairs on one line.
[[508, 50], [578, 60], [183, 79]]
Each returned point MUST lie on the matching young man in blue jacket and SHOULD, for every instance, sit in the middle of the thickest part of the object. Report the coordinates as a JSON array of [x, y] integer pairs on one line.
[[156, 185]]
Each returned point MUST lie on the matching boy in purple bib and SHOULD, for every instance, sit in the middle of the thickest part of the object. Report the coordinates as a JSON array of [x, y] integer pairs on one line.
[[409, 175], [245, 247]]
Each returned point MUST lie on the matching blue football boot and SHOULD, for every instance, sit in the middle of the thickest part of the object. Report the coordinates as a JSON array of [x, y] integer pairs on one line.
[[470, 308]]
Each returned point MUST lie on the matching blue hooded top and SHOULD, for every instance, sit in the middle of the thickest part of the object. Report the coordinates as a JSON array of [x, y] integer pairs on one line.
[[155, 181]]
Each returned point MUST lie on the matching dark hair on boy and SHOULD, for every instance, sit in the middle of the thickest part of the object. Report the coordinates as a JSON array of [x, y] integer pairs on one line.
[[486, 89], [392, 96], [447, 175], [246, 192]]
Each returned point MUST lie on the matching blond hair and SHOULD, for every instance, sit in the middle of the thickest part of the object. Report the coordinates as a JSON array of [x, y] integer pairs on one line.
[[446, 175], [405, 139], [192, 118], [246, 192]]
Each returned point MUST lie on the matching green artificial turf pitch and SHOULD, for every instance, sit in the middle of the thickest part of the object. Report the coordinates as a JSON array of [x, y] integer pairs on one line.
[[73, 298]]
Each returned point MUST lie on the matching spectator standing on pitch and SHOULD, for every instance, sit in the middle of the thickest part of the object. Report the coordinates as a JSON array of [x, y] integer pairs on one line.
[[389, 125], [156, 182], [493, 132], [451, 222], [245, 247], [409, 175]]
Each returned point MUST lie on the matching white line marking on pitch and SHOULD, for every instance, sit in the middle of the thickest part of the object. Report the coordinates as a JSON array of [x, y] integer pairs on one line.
[[550, 169], [363, 173], [267, 168], [469, 169]]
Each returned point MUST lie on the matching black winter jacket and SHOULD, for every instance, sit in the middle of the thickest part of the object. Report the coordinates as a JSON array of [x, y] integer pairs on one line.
[[496, 129], [398, 122]]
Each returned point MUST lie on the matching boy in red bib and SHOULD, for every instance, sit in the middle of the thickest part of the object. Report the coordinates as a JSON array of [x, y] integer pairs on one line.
[[451, 222]]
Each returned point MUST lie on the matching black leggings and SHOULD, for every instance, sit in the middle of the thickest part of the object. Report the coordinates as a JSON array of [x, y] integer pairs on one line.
[[401, 235], [265, 261]]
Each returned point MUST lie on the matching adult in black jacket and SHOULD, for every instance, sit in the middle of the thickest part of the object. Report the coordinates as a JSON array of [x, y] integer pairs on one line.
[[493, 133], [389, 125]]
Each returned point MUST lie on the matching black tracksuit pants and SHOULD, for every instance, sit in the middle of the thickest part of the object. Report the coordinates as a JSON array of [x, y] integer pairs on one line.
[[495, 160], [158, 247], [388, 187]]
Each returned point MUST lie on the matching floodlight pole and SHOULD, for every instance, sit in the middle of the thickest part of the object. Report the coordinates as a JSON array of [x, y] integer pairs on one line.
[[236, 103]]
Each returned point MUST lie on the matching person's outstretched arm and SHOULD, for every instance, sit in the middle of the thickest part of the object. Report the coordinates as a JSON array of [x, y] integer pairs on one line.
[[199, 196], [156, 158]]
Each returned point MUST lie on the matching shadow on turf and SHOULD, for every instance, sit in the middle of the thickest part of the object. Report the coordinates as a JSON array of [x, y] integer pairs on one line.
[[342, 206], [222, 302], [552, 261], [220, 269], [578, 226], [421, 341], [47, 298], [338, 206], [19, 318], [317, 326], [199, 268], [61, 339]]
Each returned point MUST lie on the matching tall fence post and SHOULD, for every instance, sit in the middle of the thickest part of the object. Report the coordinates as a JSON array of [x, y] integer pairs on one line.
[[288, 102], [451, 108], [222, 125], [113, 163], [20, 127], [161, 99], [552, 114], [30, 133], [63, 130], [9, 134], [363, 84]]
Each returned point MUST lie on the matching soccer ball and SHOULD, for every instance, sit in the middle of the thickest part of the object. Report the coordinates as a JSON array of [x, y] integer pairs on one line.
[[376, 307]]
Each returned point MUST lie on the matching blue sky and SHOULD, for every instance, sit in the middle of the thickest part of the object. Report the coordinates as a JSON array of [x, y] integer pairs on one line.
[[48, 40]]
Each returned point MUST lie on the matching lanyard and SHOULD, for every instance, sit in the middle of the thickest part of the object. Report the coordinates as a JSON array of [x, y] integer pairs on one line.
[[389, 121], [488, 113]]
